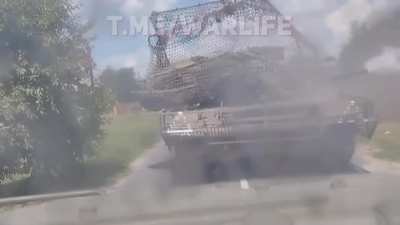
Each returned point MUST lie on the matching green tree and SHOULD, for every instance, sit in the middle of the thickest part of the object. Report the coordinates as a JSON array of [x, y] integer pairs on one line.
[[50, 115], [121, 82]]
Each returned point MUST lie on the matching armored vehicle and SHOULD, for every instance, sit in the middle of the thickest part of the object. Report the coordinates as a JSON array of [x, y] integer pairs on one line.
[[223, 96]]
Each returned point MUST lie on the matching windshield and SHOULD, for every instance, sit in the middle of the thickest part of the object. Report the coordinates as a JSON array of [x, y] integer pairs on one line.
[[199, 112]]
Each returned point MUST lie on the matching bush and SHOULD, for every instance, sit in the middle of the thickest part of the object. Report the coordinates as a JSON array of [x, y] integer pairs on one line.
[[51, 115]]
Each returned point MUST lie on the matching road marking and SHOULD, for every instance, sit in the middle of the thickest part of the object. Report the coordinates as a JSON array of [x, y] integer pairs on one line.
[[244, 184]]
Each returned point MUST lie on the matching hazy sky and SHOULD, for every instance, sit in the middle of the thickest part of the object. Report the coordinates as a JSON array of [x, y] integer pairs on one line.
[[326, 22]]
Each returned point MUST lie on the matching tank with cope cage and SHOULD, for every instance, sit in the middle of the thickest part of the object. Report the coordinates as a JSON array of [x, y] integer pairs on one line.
[[220, 91]]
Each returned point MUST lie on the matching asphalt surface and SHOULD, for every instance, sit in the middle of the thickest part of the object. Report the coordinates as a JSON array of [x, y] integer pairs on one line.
[[153, 194]]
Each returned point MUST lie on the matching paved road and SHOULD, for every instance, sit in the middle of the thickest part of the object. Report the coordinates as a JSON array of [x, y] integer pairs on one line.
[[153, 192]]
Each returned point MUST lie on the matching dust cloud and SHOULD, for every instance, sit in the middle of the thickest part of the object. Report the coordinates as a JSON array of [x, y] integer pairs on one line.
[[370, 39]]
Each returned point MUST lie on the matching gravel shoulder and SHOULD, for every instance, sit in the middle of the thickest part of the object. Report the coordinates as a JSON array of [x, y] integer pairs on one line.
[[365, 155]]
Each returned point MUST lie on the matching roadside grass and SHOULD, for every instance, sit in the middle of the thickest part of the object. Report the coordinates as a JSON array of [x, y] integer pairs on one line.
[[387, 139], [126, 138], [18, 185]]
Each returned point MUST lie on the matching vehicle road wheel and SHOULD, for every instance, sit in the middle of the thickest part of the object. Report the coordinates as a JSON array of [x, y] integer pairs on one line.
[[339, 150], [215, 171], [188, 166]]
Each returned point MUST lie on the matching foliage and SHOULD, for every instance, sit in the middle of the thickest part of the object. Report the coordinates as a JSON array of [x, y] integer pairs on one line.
[[122, 82], [387, 140], [50, 115]]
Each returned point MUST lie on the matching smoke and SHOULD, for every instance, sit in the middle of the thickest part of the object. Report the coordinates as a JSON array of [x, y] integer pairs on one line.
[[97, 10], [341, 20], [387, 62], [371, 38]]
